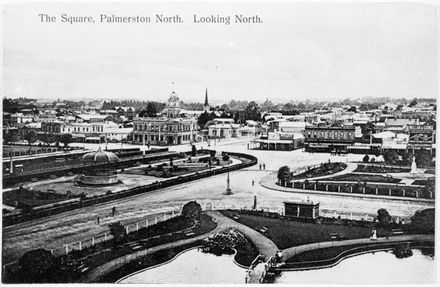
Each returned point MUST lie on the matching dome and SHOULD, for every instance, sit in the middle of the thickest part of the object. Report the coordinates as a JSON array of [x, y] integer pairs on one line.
[[100, 156], [172, 108]]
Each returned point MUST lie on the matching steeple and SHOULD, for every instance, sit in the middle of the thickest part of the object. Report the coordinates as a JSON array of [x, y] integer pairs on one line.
[[206, 104]]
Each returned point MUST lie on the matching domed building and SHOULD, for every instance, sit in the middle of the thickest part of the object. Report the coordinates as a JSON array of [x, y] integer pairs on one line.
[[172, 109], [169, 129], [99, 168]]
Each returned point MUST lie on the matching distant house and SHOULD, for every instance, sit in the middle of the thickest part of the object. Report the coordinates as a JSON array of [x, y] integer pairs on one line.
[[399, 125], [328, 138]]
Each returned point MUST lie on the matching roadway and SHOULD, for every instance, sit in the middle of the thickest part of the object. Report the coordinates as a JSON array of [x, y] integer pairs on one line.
[[54, 231]]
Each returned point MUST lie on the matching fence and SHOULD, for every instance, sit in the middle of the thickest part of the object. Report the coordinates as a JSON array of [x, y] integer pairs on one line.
[[17, 218], [206, 205], [372, 188], [130, 227]]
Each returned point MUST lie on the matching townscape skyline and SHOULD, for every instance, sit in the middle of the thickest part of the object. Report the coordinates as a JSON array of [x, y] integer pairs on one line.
[[348, 51]]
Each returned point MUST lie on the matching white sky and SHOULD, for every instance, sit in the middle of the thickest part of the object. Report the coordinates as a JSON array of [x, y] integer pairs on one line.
[[301, 51]]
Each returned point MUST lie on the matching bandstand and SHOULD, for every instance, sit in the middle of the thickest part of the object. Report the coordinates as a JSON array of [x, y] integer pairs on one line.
[[99, 168]]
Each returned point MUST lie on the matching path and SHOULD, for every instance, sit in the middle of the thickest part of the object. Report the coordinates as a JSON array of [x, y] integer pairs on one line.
[[265, 246], [292, 251], [56, 230]]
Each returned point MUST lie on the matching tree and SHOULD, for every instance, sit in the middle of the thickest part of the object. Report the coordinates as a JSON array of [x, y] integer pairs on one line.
[[225, 157], [267, 105], [10, 105], [151, 110], [192, 211], [37, 266], [390, 156], [383, 217], [406, 158], [252, 112], [413, 103], [352, 109], [31, 137], [284, 175], [66, 139], [366, 158], [117, 230], [423, 221], [423, 157], [203, 119]]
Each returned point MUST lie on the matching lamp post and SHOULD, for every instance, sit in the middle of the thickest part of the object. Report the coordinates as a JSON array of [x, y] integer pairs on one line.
[[228, 187]]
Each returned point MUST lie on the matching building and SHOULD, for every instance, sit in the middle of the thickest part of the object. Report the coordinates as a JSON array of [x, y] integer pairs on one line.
[[278, 141], [171, 128], [328, 138], [399, 125], [51, 127], [301, 209], [422, 136]]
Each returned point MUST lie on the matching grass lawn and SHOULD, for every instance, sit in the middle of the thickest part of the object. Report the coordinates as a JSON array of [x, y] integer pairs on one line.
[[362, 178], [145, 262], [326, 253], [324, 169], [164, 227], [32, 198], [285, 233]]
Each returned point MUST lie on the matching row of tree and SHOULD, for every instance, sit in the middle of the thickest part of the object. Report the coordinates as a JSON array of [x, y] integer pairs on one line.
[[31, 136], [423, 157]]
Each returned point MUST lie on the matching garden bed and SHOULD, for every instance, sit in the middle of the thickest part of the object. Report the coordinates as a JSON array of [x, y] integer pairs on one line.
[[32, 198], [380, 169], [364, 177], [322, 170]]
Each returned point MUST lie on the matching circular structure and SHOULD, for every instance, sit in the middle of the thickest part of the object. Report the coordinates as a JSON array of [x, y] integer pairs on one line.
[[99, 157], [173, 106], [99, 168]]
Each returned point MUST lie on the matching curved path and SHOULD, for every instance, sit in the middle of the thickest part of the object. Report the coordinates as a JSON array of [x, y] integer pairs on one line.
[[265, 246], [292, 251], [54, 231]]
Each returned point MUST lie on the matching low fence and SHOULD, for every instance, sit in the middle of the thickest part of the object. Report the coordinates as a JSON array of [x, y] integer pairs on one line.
[[370, 188], [17, 218], [35, 149], [76, 167], [135, 226], [206, 205]]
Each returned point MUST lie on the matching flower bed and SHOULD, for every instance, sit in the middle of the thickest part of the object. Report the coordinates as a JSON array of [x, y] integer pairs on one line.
[[323, 169], [362, 178], [380, 169]]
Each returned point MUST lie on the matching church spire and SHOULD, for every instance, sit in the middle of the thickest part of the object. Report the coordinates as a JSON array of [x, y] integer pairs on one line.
[[206, 97], [206, 104]]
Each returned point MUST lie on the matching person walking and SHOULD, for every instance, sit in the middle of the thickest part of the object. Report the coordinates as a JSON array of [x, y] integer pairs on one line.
[[97, 220], [260, 166], [253, 182], [264, 166]]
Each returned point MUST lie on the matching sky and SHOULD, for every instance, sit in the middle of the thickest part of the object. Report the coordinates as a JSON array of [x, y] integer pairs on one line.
[[298, 52]]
